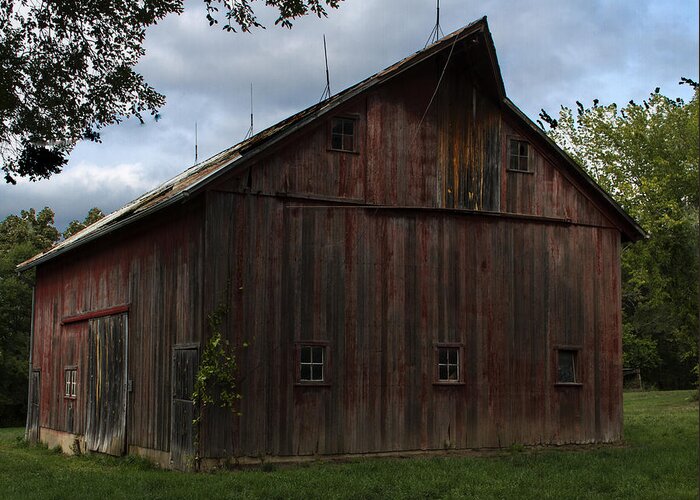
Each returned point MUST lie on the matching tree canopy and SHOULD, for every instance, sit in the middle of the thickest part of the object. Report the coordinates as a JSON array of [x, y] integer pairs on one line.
[[75, 226], [67, 70], [21, 237], [646, 155]]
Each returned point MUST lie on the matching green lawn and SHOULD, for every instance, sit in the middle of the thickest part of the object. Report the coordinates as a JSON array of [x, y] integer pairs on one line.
[[659, 460]]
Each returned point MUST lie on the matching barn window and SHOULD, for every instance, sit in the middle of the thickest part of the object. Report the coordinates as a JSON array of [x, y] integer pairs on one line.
[[312, 363], [566, 366], [71, 379], [343, 131], [448, 363], [518, 155]]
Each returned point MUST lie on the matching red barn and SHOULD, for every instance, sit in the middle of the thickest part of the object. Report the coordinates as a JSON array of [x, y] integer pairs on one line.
[[412, 264]]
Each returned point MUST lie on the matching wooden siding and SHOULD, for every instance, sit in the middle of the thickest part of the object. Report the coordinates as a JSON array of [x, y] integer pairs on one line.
[[451, 154], [545, 190], [157, 270], [368, 253], [469, 145], [382, 287], [307, 166]]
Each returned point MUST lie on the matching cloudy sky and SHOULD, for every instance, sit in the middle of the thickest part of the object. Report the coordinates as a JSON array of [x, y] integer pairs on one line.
[[551, 52]]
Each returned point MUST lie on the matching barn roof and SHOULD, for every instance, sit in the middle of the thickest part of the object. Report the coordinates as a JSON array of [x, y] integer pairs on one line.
[[199, 175]]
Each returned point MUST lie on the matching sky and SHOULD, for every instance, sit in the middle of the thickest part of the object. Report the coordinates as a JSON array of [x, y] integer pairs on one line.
[[551, 53]]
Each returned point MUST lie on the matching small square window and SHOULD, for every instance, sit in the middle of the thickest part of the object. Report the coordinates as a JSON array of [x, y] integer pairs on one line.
[[71, 382], [312, 363], [448, 364], [566, 366], [343, 134], [518, 155]]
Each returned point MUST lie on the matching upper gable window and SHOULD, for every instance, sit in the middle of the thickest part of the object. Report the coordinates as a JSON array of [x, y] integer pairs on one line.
[[343, 132], [519, 155]]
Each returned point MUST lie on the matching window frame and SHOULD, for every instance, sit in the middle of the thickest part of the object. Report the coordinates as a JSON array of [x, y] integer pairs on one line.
[[530, 151], [460, 363], [576, 351], [326, 365], [355, 119], [71, 393]]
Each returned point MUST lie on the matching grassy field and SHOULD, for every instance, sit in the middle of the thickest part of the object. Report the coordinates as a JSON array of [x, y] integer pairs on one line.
[[659, 460]]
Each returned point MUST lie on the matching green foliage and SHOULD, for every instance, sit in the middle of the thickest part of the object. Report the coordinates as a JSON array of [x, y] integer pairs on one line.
[[94, 214], [67, 70], [646, 156], [240, 12], [21, 237], [659, 460], [216, 384], [639, 352]]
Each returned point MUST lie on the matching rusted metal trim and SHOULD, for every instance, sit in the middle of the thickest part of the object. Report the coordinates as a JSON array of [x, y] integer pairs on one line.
[[347, 203], [510, 170], [95, 314], [455, 211], [186, 345], [313, 197], [356, 203], [567, 347], [342, 151]]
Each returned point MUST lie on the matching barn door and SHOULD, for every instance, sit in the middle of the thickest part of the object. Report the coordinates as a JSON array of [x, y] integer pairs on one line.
[[185, 365], [107, 385], [33, 417]]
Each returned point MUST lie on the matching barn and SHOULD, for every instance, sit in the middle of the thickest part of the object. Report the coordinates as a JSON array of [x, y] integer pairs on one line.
[[408, 266]]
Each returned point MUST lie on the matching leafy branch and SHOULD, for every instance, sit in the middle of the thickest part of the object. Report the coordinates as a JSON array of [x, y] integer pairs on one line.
[[216, 382]]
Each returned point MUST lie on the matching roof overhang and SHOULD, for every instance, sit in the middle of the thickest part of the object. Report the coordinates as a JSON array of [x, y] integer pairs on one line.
[[196, 178]]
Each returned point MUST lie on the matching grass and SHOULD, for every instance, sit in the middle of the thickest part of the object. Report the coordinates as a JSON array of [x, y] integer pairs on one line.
[[659, 460]]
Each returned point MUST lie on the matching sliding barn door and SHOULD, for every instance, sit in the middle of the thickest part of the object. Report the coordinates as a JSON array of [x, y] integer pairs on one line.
[[107, 385], [185, 365]]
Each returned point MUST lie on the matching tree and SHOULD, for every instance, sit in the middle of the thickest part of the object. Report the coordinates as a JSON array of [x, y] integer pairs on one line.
[[646, 156], [66, 70], [75, 226], [21, 237]]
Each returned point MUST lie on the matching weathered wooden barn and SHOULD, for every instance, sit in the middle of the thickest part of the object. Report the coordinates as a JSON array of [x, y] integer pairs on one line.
[[412, 263]]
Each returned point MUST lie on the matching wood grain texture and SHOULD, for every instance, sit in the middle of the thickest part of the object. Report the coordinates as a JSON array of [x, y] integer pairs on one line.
[[155, 268], [382, 288], [105, 427], [379, 254]]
